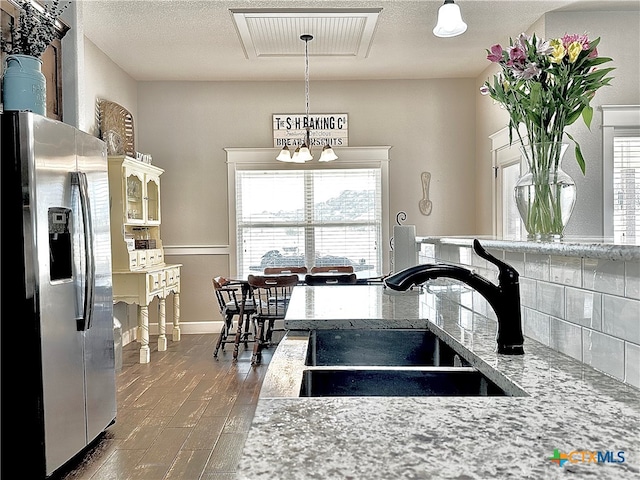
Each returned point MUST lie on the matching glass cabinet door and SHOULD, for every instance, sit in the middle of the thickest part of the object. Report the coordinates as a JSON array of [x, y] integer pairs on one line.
[[153, 200], [134, 197]]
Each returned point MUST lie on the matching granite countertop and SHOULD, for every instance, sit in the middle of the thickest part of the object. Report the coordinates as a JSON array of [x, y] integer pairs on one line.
[[589, 247], [561, 405]]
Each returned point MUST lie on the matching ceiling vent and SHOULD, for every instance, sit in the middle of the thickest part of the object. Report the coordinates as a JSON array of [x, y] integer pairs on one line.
[[276, 32]]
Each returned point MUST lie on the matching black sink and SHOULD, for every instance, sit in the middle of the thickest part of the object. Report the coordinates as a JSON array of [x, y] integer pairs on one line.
[[397, 382], [380, 347]]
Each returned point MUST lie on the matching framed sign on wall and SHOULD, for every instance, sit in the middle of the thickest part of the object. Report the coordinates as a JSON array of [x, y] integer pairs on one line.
[[326, 128]]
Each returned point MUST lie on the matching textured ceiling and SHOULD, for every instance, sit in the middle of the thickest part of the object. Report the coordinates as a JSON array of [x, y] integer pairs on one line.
[[199, 40]]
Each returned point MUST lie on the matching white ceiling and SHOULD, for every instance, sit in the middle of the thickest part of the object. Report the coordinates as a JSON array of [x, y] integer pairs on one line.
[[198, 40]]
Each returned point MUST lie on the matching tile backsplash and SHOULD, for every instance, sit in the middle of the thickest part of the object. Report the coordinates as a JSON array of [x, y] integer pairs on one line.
[[587, 308]]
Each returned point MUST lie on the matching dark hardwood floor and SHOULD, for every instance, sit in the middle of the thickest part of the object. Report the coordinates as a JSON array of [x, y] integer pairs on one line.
[[184, 415]]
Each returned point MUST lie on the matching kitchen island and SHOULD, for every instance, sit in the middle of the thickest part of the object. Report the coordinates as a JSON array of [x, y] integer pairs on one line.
[[561, 409]]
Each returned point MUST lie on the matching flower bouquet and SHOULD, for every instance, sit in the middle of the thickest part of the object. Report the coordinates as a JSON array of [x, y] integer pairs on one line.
[[546, 86]]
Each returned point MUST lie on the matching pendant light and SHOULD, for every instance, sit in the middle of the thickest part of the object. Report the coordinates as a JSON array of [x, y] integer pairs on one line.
[[303, 152], [328, 154], [450, 23], [284, 155]]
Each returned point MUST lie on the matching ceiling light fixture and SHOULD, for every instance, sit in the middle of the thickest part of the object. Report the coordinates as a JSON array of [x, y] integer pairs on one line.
[[303, 152], [450, 23]]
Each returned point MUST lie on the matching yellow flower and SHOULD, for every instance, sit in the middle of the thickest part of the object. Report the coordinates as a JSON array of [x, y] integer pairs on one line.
[[557, 50], [574, 50]]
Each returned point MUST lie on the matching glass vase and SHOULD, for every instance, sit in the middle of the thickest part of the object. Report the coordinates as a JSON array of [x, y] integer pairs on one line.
[[545, 195]]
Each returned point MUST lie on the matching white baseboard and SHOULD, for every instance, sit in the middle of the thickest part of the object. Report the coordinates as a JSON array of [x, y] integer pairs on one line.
[[186, 328], [128, 336]]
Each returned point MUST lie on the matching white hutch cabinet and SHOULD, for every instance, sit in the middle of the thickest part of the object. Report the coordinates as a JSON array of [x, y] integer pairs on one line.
[[139, 271]]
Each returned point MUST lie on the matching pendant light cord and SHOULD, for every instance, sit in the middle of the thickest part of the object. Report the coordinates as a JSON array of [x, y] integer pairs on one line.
[[306, 77], [306, 39]]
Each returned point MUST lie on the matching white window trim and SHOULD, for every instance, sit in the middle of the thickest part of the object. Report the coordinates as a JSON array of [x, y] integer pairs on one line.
[[613, 117], [503, 155], [348, 157]]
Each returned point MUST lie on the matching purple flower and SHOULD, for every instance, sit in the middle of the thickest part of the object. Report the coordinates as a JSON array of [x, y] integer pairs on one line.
[[484, 90], [522, 41], [530, 72], [496, 54], [517, 72]]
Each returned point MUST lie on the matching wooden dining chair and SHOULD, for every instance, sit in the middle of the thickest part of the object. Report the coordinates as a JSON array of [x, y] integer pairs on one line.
[[284, 270], [332, 269], [271, 294], [228, 297], [330, 279]]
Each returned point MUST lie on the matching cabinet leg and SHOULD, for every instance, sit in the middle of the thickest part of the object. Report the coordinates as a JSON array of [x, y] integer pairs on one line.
[[139, 327], [143, 322], [176, 317], [162, 319]]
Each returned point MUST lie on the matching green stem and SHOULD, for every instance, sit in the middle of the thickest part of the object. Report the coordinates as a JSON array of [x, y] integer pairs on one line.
[[544, 214]]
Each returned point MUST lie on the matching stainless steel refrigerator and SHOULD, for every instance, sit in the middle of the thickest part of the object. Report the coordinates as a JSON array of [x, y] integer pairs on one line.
[[58, 374]]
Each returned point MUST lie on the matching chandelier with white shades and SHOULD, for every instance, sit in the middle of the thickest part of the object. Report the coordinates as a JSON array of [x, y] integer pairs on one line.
[[303, 153]]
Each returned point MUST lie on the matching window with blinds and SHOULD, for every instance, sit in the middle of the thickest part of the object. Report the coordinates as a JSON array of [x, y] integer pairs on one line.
[[626, 185], [309, 217]]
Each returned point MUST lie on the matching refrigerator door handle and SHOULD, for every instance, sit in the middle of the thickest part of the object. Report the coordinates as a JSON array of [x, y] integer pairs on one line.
[[79, 179]]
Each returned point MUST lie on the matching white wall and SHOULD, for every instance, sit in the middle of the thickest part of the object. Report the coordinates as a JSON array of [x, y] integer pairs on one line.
[[620, 40], [105, 80], [430, 125], [619, 32], [440, 126], [186, 126]]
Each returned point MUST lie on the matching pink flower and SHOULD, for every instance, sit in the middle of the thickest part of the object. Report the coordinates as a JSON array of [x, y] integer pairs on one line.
[[583, 40], [594, 53], [496, 54], [484, 90], [517, 56]]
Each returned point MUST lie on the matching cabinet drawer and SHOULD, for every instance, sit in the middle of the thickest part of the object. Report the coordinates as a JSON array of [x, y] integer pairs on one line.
[[142, 258], [133, 261], [155, 281], [155, 257], [172, 276]]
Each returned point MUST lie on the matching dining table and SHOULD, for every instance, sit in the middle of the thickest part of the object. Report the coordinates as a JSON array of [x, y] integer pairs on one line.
[[364, 277]]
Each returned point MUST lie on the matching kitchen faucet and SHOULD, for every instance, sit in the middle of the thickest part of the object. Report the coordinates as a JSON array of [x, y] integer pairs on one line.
[[504, 298]]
